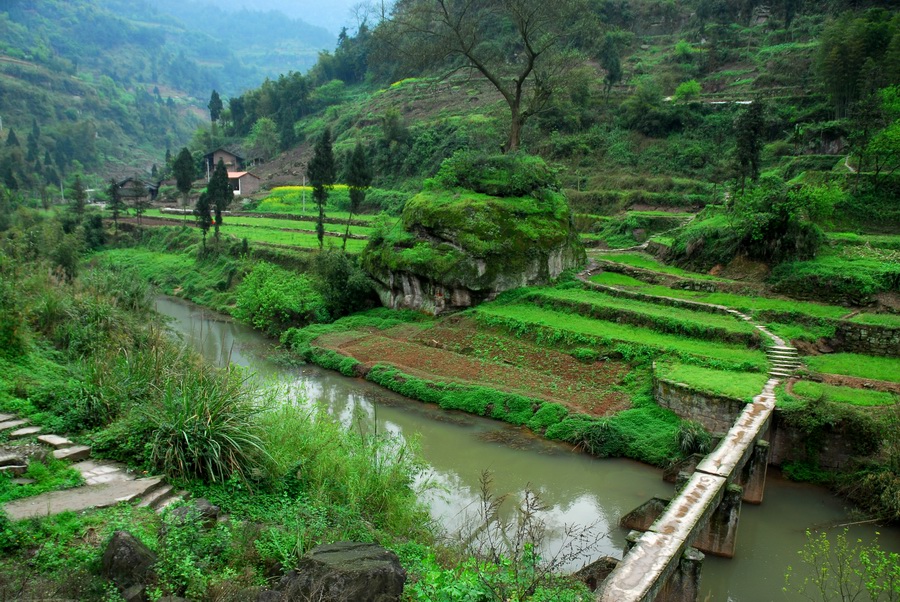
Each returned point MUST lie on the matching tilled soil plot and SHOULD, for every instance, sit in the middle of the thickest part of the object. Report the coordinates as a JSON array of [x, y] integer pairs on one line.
[[458, 350]]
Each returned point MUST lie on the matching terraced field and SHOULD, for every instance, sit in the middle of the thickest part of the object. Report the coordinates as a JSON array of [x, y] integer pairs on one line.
[[465, 353], [547, 324], [852, 378], [287, 233]]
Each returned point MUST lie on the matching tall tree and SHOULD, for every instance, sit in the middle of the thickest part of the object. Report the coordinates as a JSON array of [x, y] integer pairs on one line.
[[609, 60], [204, 220], [116, 205], [264, 139], [11, 138], [320, 172], [185, 170], [359, 178], [34, 140], [749, 127], [78, 198], [215, 106], [522, 47], [219, 192]]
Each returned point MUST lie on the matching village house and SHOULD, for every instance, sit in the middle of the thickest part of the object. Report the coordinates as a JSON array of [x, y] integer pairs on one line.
[[233, 162], [243, 183]]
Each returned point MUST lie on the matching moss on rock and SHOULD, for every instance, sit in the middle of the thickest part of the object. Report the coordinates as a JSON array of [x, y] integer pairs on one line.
[[460, 246]]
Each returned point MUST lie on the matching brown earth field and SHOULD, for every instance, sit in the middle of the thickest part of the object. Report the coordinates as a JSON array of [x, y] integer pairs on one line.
[[459, 350]]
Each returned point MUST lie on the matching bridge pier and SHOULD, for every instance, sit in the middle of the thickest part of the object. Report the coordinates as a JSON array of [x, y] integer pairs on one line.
[[753, 475], [683, 585], [719, 536]]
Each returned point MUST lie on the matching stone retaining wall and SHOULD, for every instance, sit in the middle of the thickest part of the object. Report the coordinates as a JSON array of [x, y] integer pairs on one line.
[[867, 338], [716, 413]]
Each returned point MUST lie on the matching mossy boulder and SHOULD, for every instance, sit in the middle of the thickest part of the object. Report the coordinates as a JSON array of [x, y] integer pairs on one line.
[[509, 227]]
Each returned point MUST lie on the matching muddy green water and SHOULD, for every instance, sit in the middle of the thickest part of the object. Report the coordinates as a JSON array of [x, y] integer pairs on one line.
[[577, 489]]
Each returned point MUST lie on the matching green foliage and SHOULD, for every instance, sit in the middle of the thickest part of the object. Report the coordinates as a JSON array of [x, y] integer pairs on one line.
[[344, 286], [321, 173], [848, 395], [634, 344], [692, 438], [206, 427], [737, 385], [49, 475], [844, 569], [509, 175], [836, 279], [855, 364], [272, 299], [688, 91]]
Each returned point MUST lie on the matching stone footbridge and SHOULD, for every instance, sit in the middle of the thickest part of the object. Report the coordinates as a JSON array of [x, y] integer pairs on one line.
[[666, 546]]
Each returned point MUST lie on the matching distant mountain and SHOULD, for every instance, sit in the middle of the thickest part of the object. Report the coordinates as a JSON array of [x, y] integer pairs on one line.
[[108, 85], [332, 15]]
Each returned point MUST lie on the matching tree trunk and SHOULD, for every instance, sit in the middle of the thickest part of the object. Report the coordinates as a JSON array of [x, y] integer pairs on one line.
[[515, 130]]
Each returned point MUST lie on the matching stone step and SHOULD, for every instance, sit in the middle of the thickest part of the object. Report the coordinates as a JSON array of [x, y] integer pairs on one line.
[[55, 441], [74, 453], [171, 499], [154, 498], [80, 498], [7, 417], [25, 432], [783, 348], [96, 472], [12, 424], [16, 470], [779, 374]]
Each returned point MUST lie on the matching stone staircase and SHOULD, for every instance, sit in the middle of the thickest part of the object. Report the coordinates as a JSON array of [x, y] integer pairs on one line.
[[106, 483], [784, 361]]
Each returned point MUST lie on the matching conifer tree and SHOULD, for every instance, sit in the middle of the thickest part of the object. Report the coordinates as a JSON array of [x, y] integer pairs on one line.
[[215, 106], [320, 172], [219, 191], [116, 205], [202, 212], [184, 175], [748, 126], [359, 177], [11, 139]]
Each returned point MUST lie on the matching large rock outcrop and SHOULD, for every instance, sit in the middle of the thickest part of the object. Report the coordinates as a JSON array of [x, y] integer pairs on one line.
[[483, 225], [345, 572]]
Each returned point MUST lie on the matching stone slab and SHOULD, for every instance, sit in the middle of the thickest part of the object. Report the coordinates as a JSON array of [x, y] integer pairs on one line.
[[11, 424], [55, 441], [23, 481], [14, 469], [74, 453], [6, 417], [643, 570], [80, 498], [11, 459], [25, 432]]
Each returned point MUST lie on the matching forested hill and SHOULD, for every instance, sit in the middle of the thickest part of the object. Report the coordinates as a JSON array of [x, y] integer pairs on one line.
[[108, 85], [642, 102]]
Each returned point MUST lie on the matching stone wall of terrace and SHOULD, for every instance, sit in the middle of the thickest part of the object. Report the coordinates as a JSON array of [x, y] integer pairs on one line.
[[715, 412], [867, 338]]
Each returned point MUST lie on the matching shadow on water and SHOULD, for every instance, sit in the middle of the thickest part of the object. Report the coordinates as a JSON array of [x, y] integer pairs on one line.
[[577, 489]]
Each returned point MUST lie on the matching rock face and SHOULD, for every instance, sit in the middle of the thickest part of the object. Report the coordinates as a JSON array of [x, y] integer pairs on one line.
[[345, 572], [483, 225], [127, 562]]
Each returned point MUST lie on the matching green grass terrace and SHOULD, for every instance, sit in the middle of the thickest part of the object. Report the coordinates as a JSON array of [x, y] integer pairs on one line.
[[633, 342]]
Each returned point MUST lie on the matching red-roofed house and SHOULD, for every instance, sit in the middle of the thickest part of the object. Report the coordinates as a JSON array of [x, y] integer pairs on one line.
[[243, 183]]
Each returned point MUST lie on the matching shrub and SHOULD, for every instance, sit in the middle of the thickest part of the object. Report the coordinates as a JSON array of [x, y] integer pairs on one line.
[[511, 175], [272, 299], [206, 426]]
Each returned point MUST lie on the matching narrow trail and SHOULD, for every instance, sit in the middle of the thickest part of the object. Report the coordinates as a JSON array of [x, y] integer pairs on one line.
[[106, 483]]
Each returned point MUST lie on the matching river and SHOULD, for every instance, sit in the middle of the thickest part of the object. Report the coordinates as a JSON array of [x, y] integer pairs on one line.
[[576, 489]]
